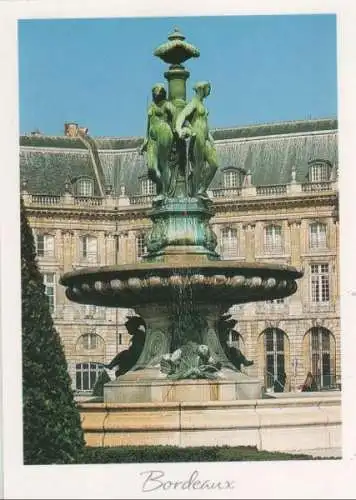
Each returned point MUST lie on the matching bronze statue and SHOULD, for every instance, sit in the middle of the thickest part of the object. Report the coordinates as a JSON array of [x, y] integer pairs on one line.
[[126, 359], [192, 123], [190, 361], [226, 324], [159, 139]]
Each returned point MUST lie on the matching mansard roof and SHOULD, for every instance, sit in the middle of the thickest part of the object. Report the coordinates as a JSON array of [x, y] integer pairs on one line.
[[268, 151]]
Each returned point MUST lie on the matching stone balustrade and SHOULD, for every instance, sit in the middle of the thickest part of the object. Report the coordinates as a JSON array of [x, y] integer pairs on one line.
[[111, 201], [312, 187]]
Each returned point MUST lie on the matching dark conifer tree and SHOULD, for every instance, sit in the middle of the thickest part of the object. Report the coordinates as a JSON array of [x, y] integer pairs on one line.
[[51, 421]]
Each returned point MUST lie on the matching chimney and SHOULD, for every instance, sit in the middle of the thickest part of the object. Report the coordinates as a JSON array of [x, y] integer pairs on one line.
[[71, 129]]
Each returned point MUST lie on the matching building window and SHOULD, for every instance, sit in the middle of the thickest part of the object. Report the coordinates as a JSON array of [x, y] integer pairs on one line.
[[234, 177], [321, 352], [85, 187], [317, 235], [89, 248], [274, 347], [140, 245], [320, 292], [147, 186], [273, 239], [229, 243], [319, 171], [86, 375], [49, 281], [44, 245], [89, 310], [89, 341]]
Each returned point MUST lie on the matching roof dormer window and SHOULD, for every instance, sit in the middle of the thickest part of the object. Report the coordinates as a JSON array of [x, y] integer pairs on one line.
[[319, 171], [147, 186], [233, 177], [85, 187]]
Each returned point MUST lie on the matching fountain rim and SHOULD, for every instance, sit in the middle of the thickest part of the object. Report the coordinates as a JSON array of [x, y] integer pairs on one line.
[[215, 266]]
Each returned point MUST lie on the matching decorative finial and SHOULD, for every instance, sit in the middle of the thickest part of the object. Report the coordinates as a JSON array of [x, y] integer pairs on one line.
[[293, 175], [176, 34], [176, 50], [67, 185]]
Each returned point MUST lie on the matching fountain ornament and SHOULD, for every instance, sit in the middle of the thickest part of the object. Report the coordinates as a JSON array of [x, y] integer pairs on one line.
[[181, 287]]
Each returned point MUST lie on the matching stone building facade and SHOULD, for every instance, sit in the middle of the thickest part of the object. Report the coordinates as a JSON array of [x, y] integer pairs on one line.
[[275, 199]]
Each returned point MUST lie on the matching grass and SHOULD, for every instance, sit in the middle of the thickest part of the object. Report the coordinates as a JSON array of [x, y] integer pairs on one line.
[[157, 454]]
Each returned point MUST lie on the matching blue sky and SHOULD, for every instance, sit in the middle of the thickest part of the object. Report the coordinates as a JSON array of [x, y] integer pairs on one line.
[[99, 72]]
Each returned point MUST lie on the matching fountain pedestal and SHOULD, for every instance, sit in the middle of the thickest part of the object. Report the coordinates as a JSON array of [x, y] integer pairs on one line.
[[150, 385]]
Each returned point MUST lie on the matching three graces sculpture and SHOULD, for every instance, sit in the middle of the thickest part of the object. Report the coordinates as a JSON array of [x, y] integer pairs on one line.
[[178, 144]]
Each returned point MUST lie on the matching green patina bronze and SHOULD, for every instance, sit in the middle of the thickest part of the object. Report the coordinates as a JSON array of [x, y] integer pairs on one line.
[[181, 288], [181, 159]]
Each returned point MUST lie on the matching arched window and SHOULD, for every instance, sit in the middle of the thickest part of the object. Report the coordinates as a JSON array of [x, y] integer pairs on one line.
[[319, 170], [90, 347], [233, 177], [319, 345], [85, 187], [89, 341], [276, 358], [229, 243], [86, 375], [147, 186], [140, 245], [44, 245], [89, 248], [273, 239], [317, 235]]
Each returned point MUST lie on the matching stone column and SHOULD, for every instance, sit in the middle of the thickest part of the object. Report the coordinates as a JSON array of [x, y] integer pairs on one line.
[[295, 241], [131, 247], [66, 250], [110, 248], [122, 257], [101, 248], [249, 229]]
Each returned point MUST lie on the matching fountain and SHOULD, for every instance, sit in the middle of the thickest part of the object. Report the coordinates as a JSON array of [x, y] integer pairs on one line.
[[181, 288]]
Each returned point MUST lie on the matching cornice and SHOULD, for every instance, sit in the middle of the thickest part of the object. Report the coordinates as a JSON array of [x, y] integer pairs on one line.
[[219, 207]]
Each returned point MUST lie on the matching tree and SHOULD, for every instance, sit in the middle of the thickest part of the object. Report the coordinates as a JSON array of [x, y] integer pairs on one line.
[[51, 421]]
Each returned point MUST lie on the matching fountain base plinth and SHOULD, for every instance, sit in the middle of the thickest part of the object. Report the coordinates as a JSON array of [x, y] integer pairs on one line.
[[151, 386]]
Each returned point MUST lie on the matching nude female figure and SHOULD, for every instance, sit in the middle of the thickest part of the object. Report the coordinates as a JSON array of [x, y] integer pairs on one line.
[[159, 138], [192, 122]]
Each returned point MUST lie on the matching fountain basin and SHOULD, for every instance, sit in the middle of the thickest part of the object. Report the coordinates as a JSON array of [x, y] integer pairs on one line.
[[180, 304], [228, 282]]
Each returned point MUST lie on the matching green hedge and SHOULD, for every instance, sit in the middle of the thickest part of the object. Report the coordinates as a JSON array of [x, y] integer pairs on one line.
[[52, 432], [156, 454]]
